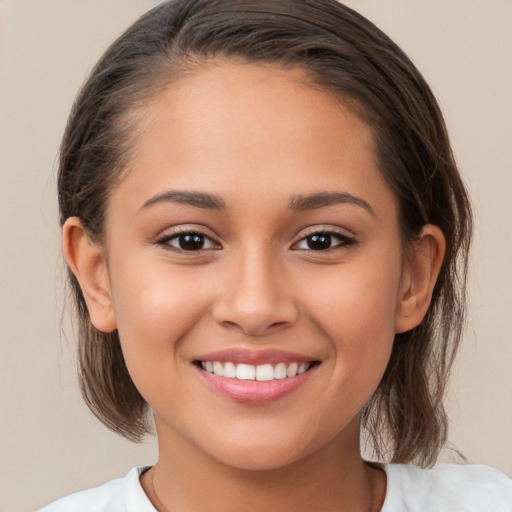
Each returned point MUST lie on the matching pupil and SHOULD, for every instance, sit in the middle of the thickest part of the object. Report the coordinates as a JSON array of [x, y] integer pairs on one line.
[[191, 242], [319, 241]]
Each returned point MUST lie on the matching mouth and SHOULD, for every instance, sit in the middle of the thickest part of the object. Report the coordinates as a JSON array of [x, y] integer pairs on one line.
[[255, 377], [261, 372]]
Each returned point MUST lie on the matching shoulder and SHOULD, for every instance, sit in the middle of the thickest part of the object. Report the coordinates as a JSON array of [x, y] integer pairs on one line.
[[447, 487], [119, 495]]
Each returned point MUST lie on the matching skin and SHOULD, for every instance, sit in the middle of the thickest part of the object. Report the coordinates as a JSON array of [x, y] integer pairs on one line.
[[255, 137]]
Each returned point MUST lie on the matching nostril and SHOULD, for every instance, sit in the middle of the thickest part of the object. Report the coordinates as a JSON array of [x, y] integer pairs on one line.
[[254, 315], [252, 325]]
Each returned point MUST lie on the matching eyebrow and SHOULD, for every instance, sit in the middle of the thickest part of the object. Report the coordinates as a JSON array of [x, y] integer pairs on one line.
[[297, 203], [190, 198], [321, 199]]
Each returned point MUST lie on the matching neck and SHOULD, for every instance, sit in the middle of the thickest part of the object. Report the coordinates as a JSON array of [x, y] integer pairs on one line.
[[334, 478]]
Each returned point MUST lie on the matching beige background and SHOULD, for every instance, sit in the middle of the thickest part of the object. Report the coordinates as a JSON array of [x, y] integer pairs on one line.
[[49, 444]]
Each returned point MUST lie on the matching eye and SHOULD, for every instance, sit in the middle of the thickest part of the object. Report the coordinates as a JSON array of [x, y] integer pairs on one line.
[[323, 241], [188, 241]]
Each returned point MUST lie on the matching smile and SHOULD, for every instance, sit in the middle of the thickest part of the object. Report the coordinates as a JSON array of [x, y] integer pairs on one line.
[[255, 377], [262, 372]]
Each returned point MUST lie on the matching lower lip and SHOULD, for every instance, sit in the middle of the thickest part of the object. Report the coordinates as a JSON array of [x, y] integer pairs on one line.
[[254, 391]]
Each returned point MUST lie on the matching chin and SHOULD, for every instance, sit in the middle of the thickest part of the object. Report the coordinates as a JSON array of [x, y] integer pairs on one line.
[[258, 460], [261, 456]]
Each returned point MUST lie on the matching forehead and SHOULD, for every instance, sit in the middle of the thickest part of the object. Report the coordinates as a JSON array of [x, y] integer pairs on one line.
[[233, 127]]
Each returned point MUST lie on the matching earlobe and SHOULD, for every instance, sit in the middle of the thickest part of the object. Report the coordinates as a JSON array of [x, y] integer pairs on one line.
[[421, 268], [88, 263]]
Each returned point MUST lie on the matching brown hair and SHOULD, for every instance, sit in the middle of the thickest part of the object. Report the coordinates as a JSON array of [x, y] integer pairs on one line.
[[346, 54]]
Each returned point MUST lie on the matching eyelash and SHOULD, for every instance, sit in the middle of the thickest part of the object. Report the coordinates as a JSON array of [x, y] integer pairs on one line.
[[167, 239], [326, 234]]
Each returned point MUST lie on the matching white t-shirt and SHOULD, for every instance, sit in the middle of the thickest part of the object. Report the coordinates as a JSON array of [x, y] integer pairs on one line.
[[445, 488]]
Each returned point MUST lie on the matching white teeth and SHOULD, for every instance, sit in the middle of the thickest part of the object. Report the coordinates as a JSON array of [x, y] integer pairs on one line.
[[218, 368], [229, 370], [291, 371], [262, 372], [245, 372], [265, 372], [280, 371], [302, 368]]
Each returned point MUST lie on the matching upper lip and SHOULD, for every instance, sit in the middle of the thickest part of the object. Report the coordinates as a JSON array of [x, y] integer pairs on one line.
[[254, 357]]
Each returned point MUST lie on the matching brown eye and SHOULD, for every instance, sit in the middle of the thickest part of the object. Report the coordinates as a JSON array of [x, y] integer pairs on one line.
[[188, 242], [319, 242], [323, 241]]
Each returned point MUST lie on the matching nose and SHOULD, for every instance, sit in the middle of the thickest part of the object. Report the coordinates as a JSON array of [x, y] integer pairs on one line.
[[256, 297]]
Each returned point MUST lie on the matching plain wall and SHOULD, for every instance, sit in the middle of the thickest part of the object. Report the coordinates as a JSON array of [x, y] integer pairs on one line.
[[50, 444]]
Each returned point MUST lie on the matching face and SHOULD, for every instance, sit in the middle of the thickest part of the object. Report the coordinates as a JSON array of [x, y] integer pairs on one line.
[[255, 266]]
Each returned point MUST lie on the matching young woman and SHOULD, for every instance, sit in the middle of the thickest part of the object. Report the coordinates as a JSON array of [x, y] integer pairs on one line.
[[267, 239]]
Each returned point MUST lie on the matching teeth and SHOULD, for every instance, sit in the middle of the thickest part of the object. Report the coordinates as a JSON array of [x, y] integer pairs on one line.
[[302, 368], [245, 371], [262, 372], [218, 368], [280, 371], [291, 371], [229, 370]]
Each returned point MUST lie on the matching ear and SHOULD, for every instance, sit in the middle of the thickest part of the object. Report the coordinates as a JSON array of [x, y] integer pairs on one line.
[[88, 263], [421, 267]]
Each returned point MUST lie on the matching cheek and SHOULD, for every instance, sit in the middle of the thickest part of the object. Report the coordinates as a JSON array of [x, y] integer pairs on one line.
[[356, 309], [357, 299], [155, 308]]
